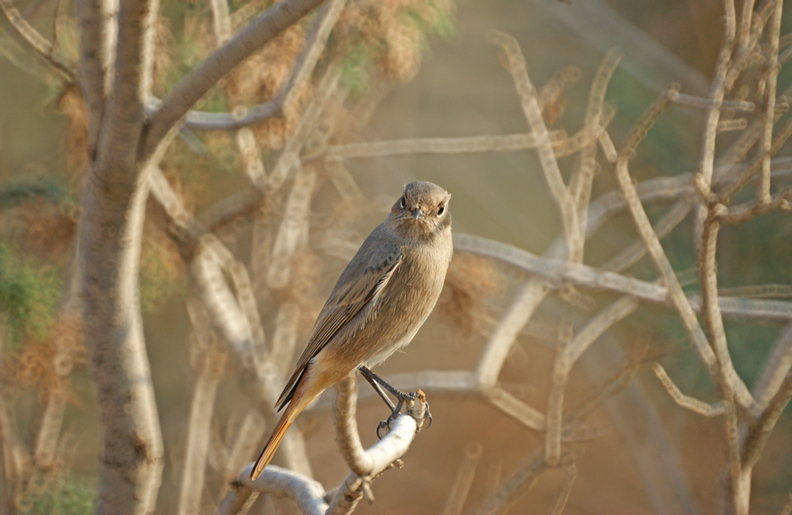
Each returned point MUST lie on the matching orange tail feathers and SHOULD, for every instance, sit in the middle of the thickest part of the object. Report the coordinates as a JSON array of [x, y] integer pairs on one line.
[[292, 410]]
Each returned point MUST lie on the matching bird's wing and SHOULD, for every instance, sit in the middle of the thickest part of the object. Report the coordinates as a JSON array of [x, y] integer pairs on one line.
[[359, 284]]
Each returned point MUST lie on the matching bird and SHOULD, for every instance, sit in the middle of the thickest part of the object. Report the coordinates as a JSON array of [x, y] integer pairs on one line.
[[376, 307]]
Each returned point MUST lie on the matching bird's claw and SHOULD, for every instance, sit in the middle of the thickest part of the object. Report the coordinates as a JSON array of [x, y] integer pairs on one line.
[[410, 398], [428, 415], [387, 423]]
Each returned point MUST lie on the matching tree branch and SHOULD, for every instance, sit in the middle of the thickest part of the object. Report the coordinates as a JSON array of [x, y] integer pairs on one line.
[[306, 492], [685, 401], [200, 80], [41, 46]]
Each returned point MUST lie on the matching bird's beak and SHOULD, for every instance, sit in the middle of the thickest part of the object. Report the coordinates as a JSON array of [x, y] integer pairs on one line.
[[417, 213]]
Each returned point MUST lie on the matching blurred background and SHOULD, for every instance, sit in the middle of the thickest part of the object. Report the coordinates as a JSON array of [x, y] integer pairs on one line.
[[651, 456]]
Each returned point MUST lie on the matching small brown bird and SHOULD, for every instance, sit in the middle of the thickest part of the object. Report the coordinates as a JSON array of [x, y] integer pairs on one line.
[[378, 304]]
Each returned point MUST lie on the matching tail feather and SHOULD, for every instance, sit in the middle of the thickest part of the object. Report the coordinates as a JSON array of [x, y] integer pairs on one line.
[[272, 444]]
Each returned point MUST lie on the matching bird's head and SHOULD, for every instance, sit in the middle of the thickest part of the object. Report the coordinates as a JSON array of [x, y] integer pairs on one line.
[[421, 212]]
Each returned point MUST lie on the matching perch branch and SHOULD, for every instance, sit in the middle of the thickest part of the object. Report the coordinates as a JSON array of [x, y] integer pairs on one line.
[[344, 411], [306, 492], [382, 454]]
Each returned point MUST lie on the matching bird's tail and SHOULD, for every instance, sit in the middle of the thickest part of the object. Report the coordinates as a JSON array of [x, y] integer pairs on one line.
[[292, 410]]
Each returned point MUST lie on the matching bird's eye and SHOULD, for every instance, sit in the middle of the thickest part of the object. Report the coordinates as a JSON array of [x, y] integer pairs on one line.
[[440, 210], [401, 203]]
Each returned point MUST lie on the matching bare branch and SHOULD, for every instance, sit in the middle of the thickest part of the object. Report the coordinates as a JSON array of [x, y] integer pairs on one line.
[[727, 376], [580, 183], [509, 326], [566, 490], [520, 482], [347, 436], [295, 219], [737, 124], [247, 116], [436, 146], [756, 164], [533, 115], [289, 159], [42, 47], [565, 359], [660, 260], [716, 94], [685, 401], [763, 190], [383, 453], [663, 227], [328, 18], [760, 431], [458, 493], [149, 37], [554, 272], [210, 364], [91, 70], [515, 408], [776, 366], [195, 84], [708, 103], [306, 492], [750, 210]]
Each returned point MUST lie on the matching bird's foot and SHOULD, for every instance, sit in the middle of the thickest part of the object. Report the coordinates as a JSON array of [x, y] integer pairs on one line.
[[417, 408]]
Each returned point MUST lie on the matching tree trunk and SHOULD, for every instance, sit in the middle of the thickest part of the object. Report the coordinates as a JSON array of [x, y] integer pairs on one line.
[[110, 239]]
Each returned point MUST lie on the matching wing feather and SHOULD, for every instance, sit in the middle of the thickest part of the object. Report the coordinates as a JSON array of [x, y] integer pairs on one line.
[[353, 292]]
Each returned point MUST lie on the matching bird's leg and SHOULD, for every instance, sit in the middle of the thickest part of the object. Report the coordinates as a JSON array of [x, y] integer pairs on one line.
[[370, 377], [378, 384]]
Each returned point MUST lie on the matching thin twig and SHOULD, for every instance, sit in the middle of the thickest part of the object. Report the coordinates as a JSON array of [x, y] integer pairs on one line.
[[566, 490], [750, 210], [580, 183], [685, 401], [42, 47], [760, 431], [660, 260], [763, 189], [533, 114], [210, 365], [295, 218], [565, 359], [520, 482], [195, 84], [552, 273], [708, 103], [458, 493], [776, 366], [756, 165]]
